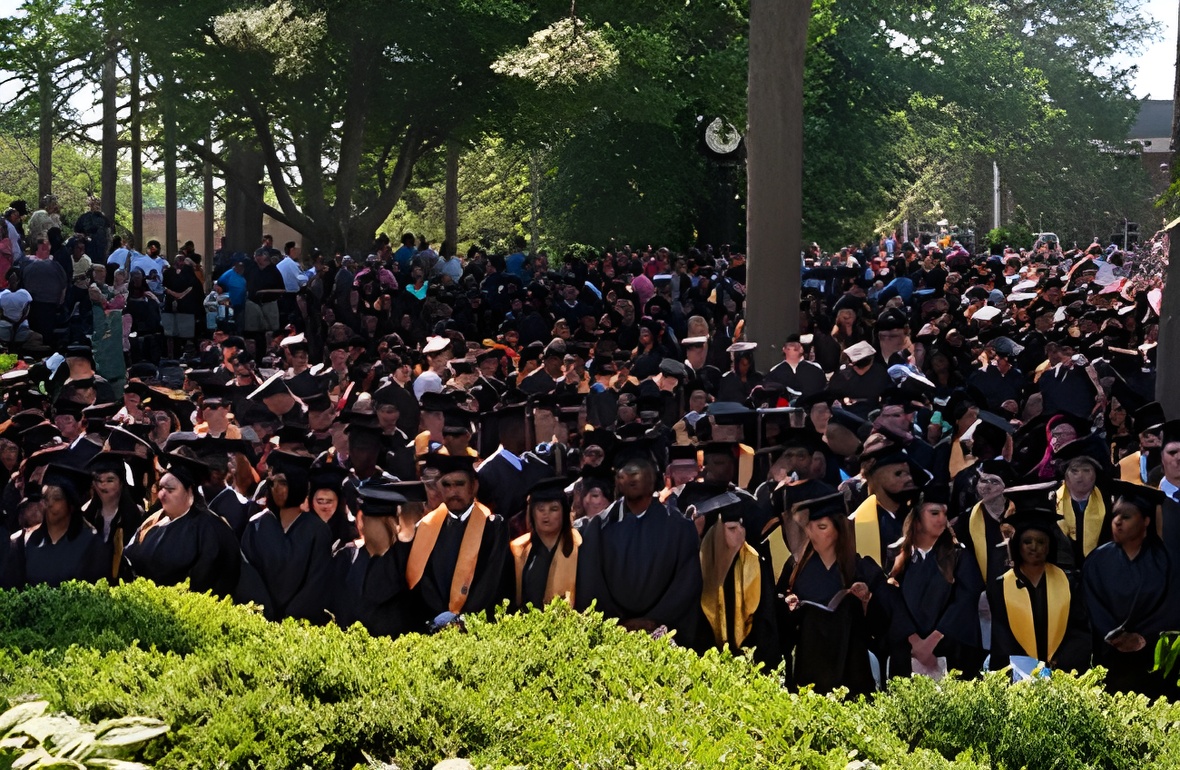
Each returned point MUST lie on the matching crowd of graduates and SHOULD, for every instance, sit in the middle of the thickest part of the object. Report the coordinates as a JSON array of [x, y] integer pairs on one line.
[[958, 463]]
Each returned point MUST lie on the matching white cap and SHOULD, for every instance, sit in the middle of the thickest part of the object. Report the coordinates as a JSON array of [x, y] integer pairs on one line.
[[741, 347], [294, 339], [694, 341], [986, 313], [860, 351], [436, 344]]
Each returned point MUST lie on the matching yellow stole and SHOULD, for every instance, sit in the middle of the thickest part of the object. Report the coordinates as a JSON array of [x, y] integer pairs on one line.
[[979, 534], [1094, 514], [117, 539], [745, 464], [868, 534], [1020, 618], [1129, 469], [958, 460], [425, 538], [774, 534], [746, 596], [563, 570]]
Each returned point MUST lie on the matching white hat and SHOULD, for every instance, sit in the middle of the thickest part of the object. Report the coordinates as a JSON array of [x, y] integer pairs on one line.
[[986, 313], [294, 339], [436, 344], [694, 341], [741, 347], [860, 351]]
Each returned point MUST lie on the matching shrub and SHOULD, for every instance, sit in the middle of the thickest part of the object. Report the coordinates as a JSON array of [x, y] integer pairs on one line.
[[543, 689]]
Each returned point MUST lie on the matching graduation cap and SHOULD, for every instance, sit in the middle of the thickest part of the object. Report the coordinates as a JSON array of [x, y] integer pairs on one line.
[[849, 421], [730, 413], [137, 387], [188, 471], [295, 342], [462, 366], [379, 499], [274, 385], [859, 352], [531, 352], [75, 483], [632, 448], [66, 407], [897, 396], [413, 491], [682, 453], [891, 320], [446, 464], [987, 313], [289, 463], [1034, 498], [457, 422], [364, 428], [1090, 448], [176, 402], [1004, 346], [1149, 417], [436, 345], [1146, 499], [102, 412], [432, 401], [827, 507], [673, 368], [799, 438], [741, 347], [1001, 468], [37, 436], [935, 493], [123, 439], [292, 433], [549, 489], [129, 467], [215, 394], [996, 421]]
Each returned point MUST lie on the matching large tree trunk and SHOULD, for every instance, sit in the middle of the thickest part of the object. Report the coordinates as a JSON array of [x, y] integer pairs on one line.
[[136, 151], [170, 204], [452, 194], [207, 206], [45, 133], [110, 127], [774, 213], [243, 197]]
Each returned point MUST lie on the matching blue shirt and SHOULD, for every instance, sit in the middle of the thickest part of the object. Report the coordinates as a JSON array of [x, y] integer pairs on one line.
[[515, 264], [403, 256], [235, 287]]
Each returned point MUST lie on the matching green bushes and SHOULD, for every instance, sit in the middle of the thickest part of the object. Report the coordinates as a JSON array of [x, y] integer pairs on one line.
[[543, 690]]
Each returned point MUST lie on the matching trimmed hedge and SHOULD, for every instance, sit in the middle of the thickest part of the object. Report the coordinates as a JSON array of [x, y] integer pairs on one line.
[[543, 690]]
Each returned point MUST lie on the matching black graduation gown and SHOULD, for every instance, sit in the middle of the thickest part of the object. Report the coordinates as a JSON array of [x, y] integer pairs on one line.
[[710, 377], [503, 488], [235, 509], [642, 567], [80, 454], [294, 565], [997, 551], [492, 582], [731, 387], [847, 383], [602, 407], [78, 555], [807, 378], [199, 547], [535, 574], [924, 602], [304, 384], [1131, 594], [127, 520], [372, 590], [763, 638], [1067, 390], [830, 649], [1074, 651], [398, 458]]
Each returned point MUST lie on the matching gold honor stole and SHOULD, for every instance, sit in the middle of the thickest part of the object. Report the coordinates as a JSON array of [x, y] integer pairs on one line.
[[958, 460], [1129, 469], [979, 534], [425, 539], [563, 570], [1094, 514], [868, 534], [746, 596], [1020, 618]]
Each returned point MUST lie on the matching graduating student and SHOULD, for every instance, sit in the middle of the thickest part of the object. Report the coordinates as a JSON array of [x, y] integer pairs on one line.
[[1126, 583], [934, 595], [113, 510], [325, 497], [459, 560], [369, 573], [889, 475], [546, 557], [737, 604], [1081, 503], [830, 612], [982, 531], [64, 547], [639, 562], [290, 547], [1037, 610], [184, 540]]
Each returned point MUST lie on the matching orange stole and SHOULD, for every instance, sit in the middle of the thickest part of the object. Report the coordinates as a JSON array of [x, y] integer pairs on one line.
[[425, 538], [563, 570]]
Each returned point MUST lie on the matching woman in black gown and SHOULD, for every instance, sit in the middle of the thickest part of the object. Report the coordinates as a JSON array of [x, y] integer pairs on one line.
[[546, 557], [112, 509], [1037, 608], [184, 540], [831, 613], [64, 547], [934, 595]]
